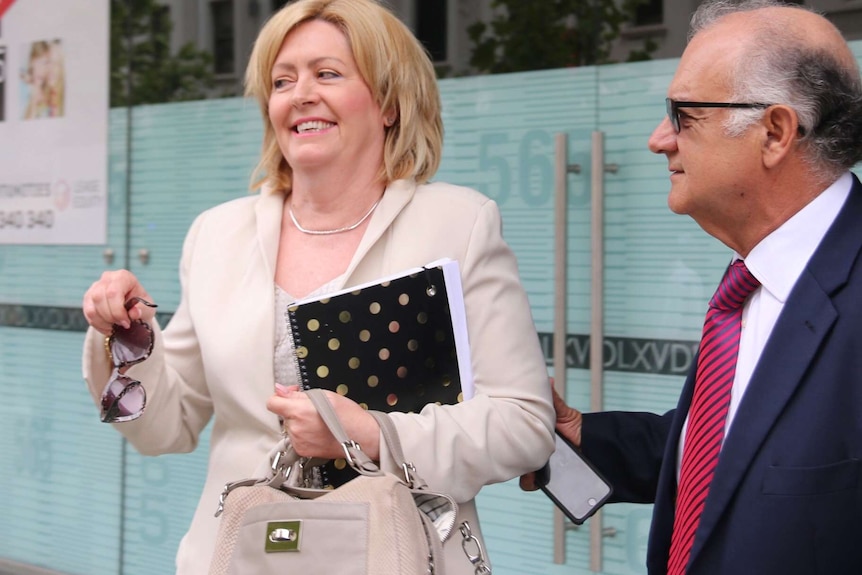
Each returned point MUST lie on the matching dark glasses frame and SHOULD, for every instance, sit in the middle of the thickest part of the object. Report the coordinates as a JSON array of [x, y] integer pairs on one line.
[[673, 107], [128, 346]]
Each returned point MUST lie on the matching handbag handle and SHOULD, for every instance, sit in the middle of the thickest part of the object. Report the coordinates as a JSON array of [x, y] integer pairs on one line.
[[393, 443], [285, 458], [353, 453]]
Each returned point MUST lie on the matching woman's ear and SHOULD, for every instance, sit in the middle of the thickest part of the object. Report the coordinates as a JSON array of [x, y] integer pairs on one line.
[[390, 116]]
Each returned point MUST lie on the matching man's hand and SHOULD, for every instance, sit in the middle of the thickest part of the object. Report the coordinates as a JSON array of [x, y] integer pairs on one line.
[[568, 425], [569, 420]]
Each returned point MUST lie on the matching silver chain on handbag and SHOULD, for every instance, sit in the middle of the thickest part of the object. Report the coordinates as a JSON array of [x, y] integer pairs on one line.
[[473, 550]]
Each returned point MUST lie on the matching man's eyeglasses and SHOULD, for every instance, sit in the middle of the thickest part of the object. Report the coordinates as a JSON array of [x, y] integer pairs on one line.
[[124, 398], [673, 108]]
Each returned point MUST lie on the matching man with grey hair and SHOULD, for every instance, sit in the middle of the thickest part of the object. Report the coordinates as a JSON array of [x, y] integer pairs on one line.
[[759, 468]]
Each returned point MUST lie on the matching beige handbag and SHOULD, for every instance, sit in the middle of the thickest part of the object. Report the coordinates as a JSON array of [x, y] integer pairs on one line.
[[375, 524]]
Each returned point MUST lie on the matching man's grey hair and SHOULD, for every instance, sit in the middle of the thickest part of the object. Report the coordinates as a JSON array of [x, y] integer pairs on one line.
[[781, 67]]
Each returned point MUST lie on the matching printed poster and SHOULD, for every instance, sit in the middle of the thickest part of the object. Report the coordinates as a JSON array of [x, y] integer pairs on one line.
[[54, 58]]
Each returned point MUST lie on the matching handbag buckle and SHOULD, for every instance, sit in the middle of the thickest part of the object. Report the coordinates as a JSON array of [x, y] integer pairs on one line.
[[409, 470], [276, 466], [283, 536], [347, 446]]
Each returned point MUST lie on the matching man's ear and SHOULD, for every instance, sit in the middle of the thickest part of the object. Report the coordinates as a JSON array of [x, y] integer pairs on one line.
[[782, 133]]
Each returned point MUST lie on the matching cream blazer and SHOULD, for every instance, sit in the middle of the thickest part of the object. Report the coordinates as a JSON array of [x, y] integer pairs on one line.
[[215, 357]]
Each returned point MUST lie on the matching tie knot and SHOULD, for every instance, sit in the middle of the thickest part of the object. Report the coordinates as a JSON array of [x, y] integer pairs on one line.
[[735, 287]]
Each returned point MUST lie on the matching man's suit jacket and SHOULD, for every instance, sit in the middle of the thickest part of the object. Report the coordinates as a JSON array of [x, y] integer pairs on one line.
[[215, 358], [786, 498]]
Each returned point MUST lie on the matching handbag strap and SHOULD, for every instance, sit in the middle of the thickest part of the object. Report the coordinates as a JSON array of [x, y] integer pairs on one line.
[[393, 443], [390, 434], [352, 450]]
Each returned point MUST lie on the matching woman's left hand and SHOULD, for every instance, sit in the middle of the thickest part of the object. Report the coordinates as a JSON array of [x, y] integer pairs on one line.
[[310, 437]]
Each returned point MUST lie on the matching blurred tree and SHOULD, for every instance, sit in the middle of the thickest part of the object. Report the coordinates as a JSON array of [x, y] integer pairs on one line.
[[143, 28], [543, 34]]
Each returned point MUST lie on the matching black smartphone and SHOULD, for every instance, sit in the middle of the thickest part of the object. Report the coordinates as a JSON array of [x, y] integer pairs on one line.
[[572, 483]]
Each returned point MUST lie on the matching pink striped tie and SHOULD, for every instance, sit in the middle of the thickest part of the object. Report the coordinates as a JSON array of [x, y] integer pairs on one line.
[[716, 367]]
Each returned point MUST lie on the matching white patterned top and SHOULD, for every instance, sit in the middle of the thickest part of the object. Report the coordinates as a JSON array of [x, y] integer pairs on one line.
[[285, 366]]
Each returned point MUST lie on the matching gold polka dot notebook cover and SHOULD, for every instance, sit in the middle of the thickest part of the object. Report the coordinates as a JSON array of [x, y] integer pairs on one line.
[[392, 345]]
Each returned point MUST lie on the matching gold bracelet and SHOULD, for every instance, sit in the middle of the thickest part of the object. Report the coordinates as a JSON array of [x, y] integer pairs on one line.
[[108, 349]]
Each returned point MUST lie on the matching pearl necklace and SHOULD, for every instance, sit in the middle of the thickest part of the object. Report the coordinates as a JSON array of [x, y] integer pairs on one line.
[[330, 232]]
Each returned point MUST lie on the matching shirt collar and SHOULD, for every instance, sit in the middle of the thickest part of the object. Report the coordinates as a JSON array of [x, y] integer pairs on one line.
[[778, 260]]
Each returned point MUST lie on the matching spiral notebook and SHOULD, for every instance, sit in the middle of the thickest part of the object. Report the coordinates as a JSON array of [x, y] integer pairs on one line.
[[395, 344]]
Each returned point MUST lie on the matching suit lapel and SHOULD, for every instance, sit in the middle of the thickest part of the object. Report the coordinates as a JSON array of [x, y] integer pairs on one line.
[[395, 197], [267, 216], [268, 212], [799, 332]]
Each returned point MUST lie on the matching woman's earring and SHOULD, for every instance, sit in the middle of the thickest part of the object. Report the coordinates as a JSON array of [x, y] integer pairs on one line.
[[389, 121]]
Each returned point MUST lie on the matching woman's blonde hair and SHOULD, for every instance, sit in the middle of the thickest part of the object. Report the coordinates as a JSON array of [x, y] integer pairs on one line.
[[394, 65]]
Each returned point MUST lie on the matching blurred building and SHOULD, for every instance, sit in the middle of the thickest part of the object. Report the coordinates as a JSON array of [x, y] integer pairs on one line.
[[227, 28]]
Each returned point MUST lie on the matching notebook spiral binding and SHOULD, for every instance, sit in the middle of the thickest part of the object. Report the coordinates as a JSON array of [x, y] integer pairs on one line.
[[296, 340]]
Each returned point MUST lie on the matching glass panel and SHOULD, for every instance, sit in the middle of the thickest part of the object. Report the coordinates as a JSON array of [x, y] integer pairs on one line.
[[60, 467], [187, 157], [161, 496]]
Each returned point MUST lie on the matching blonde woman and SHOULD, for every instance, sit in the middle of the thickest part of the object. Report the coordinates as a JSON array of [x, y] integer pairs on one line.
[[353, 134]]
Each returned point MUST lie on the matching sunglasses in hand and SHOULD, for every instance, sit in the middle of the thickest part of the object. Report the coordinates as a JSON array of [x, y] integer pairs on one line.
[[124, 398]]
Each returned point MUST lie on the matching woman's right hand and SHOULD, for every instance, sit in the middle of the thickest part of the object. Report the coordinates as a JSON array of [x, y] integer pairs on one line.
[[105, 302]]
